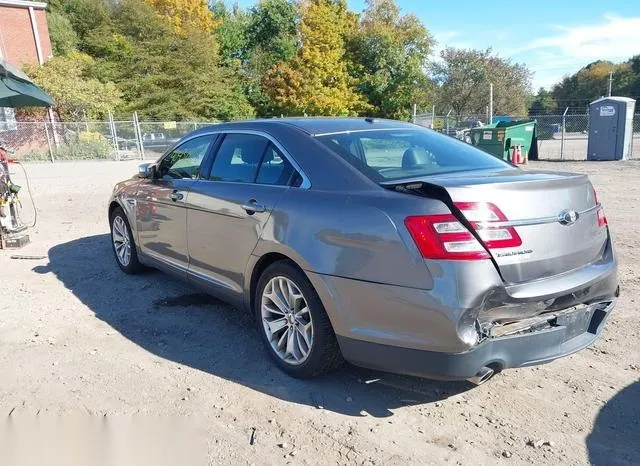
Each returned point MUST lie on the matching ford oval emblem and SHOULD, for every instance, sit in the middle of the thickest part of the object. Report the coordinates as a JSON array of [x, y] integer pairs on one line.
[[568, 217]]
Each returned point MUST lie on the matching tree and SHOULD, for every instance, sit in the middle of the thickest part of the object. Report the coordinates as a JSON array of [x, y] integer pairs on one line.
[[388, 55], [511, 86], [543, 103], [634, 84], [464, 77], [184, 15], [271, 39], [75, 95], [589, 83], [316, 81], [231, 31], [592, 82], [272, 29], [63, 37], [84, 15], [163, 74]]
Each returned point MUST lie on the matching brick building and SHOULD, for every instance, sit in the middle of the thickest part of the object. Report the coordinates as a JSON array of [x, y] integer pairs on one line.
[[24, 38]]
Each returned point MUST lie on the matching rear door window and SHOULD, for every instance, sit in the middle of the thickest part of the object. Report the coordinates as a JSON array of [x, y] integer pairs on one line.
[[394, 155], [275, 169], [249, 158], [381, 152], [239, 158]]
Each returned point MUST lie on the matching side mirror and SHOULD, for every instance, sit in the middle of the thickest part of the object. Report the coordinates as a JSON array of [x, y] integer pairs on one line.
[[146, 170]]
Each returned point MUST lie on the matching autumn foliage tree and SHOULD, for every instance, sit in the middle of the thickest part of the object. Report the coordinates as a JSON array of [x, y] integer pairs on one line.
[[592, 82], [195, 59], [388, 54], [185, 14], [316, 81], [75, 93]]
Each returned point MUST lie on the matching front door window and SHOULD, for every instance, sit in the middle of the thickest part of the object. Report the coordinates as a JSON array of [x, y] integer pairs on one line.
[[184, 161]]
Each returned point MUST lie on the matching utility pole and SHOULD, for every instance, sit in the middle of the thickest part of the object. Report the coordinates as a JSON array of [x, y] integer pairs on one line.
[[610, 82], [490, 103]]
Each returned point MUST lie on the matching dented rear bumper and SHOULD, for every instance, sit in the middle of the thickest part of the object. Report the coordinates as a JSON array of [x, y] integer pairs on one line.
[[568, 333], [469, 318]]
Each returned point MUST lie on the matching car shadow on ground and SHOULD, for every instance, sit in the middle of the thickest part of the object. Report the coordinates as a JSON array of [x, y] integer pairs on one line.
[[178, 323], [615, 438]]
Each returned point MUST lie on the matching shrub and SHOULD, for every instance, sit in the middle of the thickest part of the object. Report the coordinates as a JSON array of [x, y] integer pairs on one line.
[[84, 149], [87, 146], [36, 155]]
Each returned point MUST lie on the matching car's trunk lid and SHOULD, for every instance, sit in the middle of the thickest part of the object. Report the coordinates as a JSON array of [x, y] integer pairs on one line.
[[554, 214]]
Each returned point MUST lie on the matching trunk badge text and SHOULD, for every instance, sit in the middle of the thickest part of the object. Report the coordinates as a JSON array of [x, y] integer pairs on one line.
[[568, 217]]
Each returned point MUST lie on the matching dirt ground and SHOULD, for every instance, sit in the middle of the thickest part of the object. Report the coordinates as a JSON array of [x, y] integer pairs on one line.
[[77, 336]]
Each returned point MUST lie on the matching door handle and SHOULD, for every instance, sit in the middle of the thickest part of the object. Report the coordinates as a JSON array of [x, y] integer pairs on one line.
[[252, 207], [176, 196]]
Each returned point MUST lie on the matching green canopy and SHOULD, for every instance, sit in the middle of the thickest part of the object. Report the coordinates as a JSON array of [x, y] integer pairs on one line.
[[17, 90]]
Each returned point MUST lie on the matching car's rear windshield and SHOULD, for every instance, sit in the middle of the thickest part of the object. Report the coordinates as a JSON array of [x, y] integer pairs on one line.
[[403, 154]]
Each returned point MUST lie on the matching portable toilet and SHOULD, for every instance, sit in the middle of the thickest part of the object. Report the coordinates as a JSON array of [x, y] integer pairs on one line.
[[610, 128]]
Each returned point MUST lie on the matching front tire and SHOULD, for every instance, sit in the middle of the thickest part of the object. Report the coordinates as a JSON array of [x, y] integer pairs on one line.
[[122, 243], [293, 322]]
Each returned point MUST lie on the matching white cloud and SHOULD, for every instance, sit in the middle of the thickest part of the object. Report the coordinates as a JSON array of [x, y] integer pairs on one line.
[[569, 48], [559, 49], [614, 38]]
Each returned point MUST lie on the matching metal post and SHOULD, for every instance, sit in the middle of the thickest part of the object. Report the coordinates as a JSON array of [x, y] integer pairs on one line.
[[447, 118], [136, 123], [52, 119], [490, 103], [414, 113], [564, 121], [46, 131], [114, 135], [610, 82], [433, 115]]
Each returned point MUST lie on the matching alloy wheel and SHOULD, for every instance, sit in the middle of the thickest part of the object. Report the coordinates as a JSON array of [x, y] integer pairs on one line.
[[120, 238], [286, 320]]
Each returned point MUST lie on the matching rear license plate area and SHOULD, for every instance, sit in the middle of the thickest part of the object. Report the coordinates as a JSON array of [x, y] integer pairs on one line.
[[576, 322]]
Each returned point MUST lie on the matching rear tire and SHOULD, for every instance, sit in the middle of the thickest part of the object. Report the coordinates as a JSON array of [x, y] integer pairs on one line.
[[293, 323], [122, 243]]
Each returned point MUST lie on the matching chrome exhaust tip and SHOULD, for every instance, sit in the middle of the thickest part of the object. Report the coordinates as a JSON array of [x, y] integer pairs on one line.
[[482, 376]]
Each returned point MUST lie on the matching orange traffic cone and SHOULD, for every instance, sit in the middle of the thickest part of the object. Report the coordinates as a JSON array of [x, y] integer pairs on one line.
[[514, 155], [518, 154]]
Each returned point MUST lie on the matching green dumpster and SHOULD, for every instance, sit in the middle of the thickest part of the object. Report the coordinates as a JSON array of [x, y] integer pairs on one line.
[[499, 138]]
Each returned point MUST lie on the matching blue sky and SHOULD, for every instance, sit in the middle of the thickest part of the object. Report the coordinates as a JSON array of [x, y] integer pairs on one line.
[[552, 38]]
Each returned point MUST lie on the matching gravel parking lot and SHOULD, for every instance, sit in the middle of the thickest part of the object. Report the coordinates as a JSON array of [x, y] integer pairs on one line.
[[79, 337]]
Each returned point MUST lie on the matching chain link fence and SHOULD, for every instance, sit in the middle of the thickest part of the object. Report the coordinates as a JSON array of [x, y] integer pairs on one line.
[[560, 137], [90, 140]]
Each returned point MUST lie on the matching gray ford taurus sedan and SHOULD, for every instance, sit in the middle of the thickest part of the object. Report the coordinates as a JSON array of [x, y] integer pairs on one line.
[[375, 241]]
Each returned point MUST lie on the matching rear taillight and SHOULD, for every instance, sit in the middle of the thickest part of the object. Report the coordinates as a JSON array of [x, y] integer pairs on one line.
[[485, 219], [444, 237], [602, 218]]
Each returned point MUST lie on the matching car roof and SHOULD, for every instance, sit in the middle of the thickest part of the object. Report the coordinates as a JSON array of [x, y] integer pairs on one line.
[[326, 125]]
